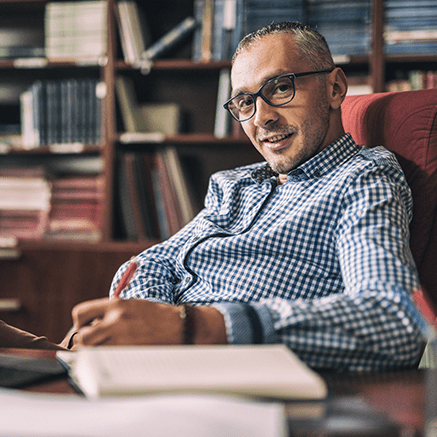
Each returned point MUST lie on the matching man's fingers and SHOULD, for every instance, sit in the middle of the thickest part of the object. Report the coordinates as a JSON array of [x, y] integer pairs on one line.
[[94, 335], [84, 313]]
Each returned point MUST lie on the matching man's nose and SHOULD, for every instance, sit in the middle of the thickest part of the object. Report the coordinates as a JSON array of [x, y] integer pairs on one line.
[[265, 114]]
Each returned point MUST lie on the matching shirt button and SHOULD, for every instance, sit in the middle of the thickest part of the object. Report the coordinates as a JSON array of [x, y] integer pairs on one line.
[[186, 280], [317, 174]]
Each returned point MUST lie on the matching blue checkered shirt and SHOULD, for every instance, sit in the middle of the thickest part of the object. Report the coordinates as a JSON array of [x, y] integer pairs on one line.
[[321, 263]]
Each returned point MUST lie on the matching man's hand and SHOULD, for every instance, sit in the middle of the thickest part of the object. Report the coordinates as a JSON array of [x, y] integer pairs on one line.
[[140, 322]]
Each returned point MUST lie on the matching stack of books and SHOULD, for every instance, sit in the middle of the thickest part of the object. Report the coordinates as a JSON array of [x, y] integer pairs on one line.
[[24, 203], [76, 31], [410, 26], [61, 112], [35, 206], [344, 23], [76, 208]]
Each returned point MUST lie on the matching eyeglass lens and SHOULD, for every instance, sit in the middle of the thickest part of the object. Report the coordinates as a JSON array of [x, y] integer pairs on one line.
[[276, 92]]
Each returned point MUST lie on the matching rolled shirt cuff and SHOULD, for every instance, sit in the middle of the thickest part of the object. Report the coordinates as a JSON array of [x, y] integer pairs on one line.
[[247, 324]]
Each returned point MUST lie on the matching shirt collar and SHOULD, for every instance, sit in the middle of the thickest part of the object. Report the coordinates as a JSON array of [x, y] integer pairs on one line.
[[321, 164]]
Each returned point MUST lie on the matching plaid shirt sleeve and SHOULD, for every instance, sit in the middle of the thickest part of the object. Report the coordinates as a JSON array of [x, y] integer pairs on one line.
[[332, 281], [373, 323]]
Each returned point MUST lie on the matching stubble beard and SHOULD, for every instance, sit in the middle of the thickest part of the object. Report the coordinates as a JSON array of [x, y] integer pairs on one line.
[[307, 142]]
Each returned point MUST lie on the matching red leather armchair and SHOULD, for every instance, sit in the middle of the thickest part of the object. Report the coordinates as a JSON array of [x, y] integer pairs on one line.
[[406, 124]]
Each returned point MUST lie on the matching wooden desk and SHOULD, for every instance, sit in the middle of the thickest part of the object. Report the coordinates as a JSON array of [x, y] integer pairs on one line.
[[400, 396]]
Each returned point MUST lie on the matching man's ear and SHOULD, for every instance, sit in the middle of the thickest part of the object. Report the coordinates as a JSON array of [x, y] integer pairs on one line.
[[336, 87]]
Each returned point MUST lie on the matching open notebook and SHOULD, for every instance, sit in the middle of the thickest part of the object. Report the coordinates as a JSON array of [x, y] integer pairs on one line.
[[271, 371]]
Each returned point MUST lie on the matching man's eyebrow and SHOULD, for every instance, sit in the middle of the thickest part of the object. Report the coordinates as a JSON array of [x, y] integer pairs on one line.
[[244, 89]]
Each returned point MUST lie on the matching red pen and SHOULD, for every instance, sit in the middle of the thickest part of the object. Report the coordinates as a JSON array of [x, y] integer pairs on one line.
[[122, 284], [125, 279]]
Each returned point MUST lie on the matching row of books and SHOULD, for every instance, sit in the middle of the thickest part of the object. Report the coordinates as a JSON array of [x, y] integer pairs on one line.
[[155, 198], [414, 80], [78, 30], [345, 24], [33, 206], [61, 112], [410, 26]]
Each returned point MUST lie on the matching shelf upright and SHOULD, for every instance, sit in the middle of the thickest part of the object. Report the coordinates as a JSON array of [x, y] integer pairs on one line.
[[377, 61], [109, 125]]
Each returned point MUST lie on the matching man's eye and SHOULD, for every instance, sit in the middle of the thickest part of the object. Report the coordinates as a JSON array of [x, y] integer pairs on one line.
[[283, 88], [244, 102]]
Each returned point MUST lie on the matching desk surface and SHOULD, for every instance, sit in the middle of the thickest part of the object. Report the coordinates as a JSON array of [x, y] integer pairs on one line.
[[399, 396]]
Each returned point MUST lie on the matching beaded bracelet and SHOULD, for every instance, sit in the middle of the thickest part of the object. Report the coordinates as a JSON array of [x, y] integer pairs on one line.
[[186, 314]]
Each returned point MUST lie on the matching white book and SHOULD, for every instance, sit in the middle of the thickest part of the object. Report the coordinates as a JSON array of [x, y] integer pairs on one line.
[[271, 371], [222, 117], [29, 138]]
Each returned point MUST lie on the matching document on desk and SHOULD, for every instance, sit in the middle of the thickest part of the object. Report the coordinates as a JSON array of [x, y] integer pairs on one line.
[[271, 371], [25, 414]]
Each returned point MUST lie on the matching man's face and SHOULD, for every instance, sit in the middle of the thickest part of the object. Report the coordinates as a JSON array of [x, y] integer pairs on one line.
[[286, 135]]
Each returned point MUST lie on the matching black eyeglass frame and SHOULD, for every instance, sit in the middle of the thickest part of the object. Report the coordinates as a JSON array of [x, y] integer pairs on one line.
[[254, 96]]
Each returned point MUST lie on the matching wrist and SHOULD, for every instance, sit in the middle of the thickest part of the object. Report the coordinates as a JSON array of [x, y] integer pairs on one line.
[[186, 313], [209, 326]]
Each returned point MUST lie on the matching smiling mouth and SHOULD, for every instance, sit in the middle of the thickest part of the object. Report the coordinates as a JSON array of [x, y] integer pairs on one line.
[[277, 138]]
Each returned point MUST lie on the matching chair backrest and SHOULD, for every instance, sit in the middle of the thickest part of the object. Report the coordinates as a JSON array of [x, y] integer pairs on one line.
[[406, 124]]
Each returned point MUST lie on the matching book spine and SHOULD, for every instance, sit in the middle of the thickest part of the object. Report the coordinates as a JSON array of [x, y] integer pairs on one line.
[[207, 31], [222, 116], [197, 38], [170, 38], [26, 109]]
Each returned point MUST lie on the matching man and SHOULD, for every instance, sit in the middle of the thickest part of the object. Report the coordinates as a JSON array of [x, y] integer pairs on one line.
[[310, 249]]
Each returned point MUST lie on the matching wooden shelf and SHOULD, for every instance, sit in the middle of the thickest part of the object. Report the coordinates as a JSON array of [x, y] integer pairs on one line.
[[108, 246], [178, 64], [62, 149], [412, 59], [194, 138]]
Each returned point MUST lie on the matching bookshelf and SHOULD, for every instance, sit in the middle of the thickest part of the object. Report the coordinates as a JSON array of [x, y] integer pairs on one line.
[[173, 78]]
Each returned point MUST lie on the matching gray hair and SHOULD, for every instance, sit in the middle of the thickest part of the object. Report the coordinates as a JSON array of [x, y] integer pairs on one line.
[[310, 44]]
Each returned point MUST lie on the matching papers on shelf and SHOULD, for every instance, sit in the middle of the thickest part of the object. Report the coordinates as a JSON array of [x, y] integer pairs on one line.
[[142, 137]]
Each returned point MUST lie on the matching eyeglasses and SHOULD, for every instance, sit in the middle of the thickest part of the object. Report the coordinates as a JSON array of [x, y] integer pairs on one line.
[[276, 92]]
